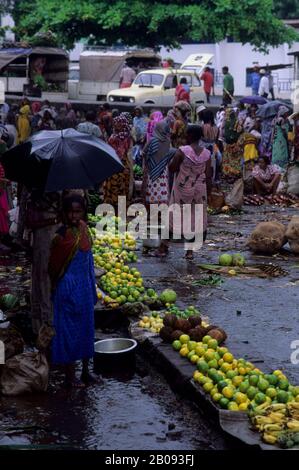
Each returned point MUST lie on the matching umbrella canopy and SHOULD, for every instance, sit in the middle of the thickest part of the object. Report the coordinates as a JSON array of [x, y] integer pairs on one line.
[[270, 109], [57, 160], [253, 99]]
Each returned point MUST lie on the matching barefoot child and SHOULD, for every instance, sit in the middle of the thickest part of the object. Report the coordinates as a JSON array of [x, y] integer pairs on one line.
[[74, 295]]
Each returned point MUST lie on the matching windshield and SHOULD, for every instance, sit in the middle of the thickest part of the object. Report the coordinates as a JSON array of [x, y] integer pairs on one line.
[[149, 79]]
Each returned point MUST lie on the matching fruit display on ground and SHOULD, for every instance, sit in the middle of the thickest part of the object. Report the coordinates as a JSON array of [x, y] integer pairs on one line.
[[112, 252], [233, 384], [278, 423], [153, 323]]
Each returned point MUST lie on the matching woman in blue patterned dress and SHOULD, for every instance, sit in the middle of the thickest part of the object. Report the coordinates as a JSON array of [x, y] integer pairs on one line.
[[71, 270]]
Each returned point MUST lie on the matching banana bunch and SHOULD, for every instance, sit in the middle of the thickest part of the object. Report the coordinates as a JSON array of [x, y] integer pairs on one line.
[[278, 423]]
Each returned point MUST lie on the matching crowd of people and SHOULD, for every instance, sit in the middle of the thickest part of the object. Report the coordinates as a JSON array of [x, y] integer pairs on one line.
[[182, 157], [235, 138]]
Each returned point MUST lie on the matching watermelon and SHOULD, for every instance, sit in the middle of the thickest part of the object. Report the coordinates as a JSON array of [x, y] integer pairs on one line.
[[168, 296], [8, 301]]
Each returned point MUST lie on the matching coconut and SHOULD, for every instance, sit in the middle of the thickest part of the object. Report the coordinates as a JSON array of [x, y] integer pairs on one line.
[[219, 334], [196, 334], [176, 334], [194, 320], [210, 327], [183, 324], [165, 334], [170, 320]]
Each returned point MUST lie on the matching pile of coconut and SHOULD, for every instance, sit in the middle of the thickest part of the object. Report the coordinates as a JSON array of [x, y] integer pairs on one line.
[[175, 327]]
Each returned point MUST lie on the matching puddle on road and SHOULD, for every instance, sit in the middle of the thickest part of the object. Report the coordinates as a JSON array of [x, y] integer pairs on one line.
[[138, 411]]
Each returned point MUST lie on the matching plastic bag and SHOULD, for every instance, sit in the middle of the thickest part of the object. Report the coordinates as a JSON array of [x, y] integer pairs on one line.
[[235, 198]]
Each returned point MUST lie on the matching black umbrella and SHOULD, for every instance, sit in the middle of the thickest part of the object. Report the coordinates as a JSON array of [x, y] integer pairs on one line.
[[270, 109], [57, 160], [253, 99]]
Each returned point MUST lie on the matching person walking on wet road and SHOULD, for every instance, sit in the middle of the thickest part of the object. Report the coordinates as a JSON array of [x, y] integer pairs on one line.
[[71, 270]]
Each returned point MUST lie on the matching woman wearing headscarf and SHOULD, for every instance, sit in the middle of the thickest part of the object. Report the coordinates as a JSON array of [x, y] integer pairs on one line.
[[280, 128], [120, 140], [233, 152], [23, 122], [155, 117], [156, 156]]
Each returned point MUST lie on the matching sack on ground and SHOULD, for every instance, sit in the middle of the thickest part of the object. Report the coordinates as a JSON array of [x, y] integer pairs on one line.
[[267, 237], [234, 199], [292, 177], [13, 341], [292, 234], [25, 373]]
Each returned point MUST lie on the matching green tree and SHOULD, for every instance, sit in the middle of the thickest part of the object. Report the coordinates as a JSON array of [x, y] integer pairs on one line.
[[153, 22]]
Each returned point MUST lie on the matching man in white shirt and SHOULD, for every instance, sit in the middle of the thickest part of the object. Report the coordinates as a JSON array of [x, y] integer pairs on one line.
[[264, 84]]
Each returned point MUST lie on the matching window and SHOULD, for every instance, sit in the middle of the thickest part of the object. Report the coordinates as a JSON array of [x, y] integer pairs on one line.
[[170, 82], [149, 79]]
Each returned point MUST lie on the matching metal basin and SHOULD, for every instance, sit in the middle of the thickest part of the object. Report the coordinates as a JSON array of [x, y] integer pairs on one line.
[[115, 346], [114, 354]]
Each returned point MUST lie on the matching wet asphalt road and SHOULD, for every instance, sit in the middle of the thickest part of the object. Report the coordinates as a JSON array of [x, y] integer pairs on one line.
[[140, 411]]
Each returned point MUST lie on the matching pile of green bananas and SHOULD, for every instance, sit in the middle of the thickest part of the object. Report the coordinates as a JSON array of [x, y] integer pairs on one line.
[[278, 423]]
